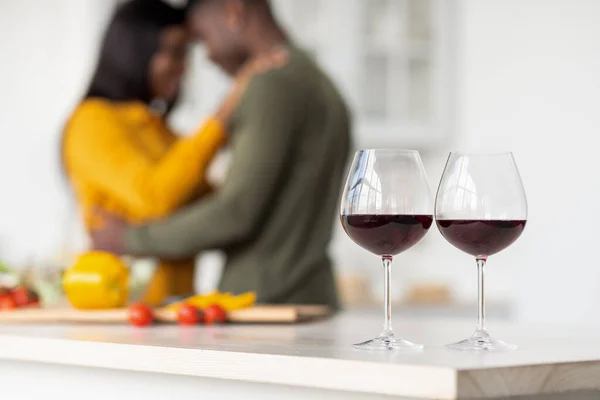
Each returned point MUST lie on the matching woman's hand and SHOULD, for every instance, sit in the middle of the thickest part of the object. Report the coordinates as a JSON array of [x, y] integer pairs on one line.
[[273, 59], [110, 235]]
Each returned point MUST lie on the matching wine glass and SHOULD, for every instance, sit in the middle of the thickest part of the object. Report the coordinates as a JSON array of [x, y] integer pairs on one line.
[[386, 208], [481, 209]]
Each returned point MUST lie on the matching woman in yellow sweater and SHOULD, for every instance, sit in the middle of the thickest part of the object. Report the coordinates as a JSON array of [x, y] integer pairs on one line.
[[118, 151]]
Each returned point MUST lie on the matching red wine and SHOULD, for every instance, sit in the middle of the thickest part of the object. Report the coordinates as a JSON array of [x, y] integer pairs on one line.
[[386, 235], [481, 238]]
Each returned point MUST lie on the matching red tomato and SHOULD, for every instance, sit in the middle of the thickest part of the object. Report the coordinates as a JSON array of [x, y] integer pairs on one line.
[[214, 314], [24, 296], [7, 303], [20, 295], [140, 315], [188, 315]]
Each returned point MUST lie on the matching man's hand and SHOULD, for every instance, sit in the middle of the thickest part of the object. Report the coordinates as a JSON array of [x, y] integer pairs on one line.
[[110, 236]]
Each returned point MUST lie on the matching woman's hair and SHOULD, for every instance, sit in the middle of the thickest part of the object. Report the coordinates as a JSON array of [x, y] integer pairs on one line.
[[129, 43]]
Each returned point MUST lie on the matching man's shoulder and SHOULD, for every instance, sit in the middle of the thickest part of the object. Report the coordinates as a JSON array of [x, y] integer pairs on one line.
[[296, 74], [283, 85], [278, 79], [290, 87]]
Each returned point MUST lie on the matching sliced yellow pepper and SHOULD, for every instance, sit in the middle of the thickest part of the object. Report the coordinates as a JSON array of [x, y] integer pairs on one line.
[[97, 280], [227, 301]]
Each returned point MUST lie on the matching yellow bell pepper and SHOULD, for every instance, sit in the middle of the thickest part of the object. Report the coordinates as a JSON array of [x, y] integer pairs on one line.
[[227, 301], [97, 280]]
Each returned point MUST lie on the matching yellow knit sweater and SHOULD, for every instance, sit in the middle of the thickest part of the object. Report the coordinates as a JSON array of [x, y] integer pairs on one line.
[[122, 158]]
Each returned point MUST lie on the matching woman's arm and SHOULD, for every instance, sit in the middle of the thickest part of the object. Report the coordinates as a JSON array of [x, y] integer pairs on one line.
[[98, 146]]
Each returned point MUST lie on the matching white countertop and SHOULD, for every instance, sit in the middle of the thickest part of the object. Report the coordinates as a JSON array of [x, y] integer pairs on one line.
[[319, 355]]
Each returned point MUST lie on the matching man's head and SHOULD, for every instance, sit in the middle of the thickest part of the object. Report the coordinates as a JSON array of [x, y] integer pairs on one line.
[[229, 28]]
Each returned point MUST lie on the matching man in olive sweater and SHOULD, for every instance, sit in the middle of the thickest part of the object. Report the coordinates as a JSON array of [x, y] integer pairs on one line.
[[274, 215]]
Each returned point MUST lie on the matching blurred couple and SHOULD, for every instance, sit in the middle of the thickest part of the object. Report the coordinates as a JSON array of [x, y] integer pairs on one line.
[[286, 123]]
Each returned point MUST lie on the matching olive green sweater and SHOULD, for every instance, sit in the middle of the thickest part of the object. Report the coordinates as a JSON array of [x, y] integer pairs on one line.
[[274, 215]]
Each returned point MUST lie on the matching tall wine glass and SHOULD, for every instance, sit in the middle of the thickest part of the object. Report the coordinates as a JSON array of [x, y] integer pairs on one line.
[[481, 209], [386, 208]]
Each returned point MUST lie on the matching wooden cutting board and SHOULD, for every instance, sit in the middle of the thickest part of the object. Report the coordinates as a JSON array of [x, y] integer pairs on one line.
[[256, 314]]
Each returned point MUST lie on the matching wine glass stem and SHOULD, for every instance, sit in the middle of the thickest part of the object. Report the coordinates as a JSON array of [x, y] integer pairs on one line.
[[387, 271], [481, 293]]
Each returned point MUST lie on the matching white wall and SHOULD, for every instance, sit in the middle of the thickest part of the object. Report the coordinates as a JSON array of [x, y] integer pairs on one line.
[[48, 48], [529, 80]]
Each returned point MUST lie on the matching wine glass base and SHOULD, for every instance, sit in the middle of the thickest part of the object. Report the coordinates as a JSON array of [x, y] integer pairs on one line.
[[388, 341], [482, 341]]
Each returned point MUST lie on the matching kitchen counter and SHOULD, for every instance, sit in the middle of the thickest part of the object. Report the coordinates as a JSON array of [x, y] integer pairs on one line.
[[316, 359]]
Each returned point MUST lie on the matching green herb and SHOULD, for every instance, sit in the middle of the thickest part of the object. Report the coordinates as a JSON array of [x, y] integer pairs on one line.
[[4, 268]]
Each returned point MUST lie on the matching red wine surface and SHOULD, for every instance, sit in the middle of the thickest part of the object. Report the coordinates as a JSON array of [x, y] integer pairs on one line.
[[481, 238], [386, 235]]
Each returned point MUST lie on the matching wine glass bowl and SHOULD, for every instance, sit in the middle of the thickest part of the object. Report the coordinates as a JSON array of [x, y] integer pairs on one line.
[[481, 238], [386, 208], [386, 235], [481, 209]]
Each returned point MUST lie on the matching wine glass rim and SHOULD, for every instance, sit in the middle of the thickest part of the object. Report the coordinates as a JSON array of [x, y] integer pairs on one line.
[[381, 150], [482, 153]]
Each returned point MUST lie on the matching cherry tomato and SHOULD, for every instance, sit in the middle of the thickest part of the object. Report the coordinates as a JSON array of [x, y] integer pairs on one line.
[[23, 296], [20, 295], [214, 314], [7, 303], [140, 315], [188, 315]]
